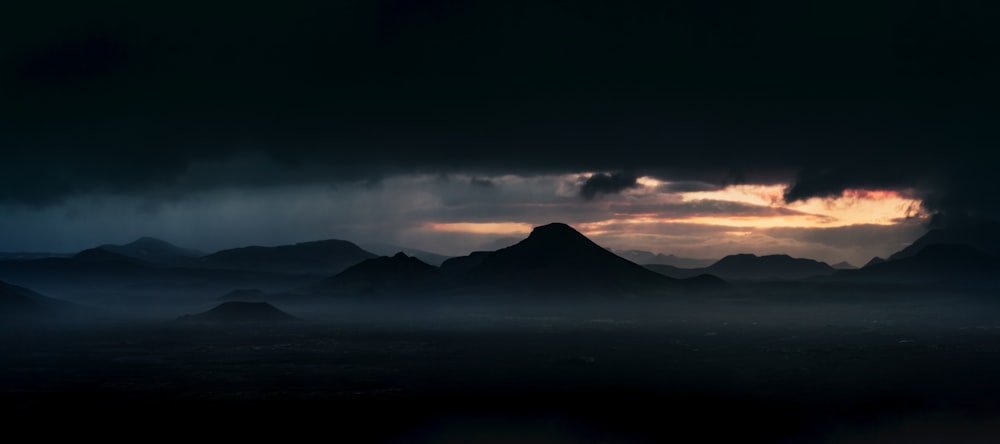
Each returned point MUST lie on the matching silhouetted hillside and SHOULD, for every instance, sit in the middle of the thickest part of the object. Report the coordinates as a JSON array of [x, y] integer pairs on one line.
[[934, 263], [457, 266], [753, 267], [241, 312], [17, 300], [317, 258], [153, 250], [874, 261], [981, 235], [399, 274], [19, 303]]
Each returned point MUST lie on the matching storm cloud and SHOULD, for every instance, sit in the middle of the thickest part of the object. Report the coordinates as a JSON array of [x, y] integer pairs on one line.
[[117, 100], [343, 119], [602, 183]]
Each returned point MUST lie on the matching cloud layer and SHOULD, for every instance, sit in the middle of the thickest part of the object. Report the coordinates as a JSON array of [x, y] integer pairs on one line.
[[104, 100]]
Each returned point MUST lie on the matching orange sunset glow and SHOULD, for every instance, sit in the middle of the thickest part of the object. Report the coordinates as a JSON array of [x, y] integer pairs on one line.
[[735, 218]]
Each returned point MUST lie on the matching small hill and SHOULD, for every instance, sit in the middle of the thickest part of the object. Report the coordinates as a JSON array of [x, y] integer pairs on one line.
[[398, 274], [241, 312], [319, 258], [153, 250]]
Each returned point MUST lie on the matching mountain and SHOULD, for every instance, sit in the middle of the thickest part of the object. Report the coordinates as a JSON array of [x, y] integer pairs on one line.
[[383, 249], [458, 266], [753, 267], [843, 265], [934, 263], [647, 258], [875, 261], [983, 235], [317, 258], [153, 250], [556, 259], [241, 312], [398, 274]]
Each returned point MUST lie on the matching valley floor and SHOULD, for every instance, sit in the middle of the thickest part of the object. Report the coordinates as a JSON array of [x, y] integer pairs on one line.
[[711, 371]]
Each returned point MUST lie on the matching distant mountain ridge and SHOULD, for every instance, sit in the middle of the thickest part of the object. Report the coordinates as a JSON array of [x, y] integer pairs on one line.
[[384, 249], [323, 257], [153, 250], [554, 260], [642, 257], [843, 265], [753, 267]]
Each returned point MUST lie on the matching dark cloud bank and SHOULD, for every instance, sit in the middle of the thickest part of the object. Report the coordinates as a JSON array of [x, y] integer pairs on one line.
[[125, 98]]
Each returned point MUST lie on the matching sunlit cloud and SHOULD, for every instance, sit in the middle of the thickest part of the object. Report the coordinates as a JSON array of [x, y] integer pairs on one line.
[[483, 227]]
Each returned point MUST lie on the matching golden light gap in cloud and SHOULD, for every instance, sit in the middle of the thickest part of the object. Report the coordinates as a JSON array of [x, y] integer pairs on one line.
[[483, 227]]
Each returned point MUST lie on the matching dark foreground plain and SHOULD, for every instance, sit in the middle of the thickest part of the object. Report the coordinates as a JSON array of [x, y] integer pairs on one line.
[[783, 368]]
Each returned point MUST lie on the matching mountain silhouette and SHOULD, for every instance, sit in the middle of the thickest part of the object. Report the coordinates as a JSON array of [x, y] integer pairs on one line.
[[458, 266], [646, 258], [317, 258], [983, 235], [556, 259], [934, 263], [843, 265], [398, 274], [874, 261], [241, 312], [384, 249], [752, 267], [153, 250]]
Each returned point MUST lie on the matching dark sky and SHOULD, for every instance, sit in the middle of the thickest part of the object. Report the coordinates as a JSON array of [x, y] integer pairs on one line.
[[164, 102]]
